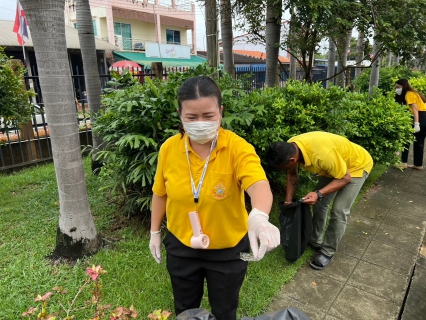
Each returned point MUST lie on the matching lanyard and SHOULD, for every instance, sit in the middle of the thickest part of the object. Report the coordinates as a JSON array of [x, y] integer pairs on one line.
[[196, 192]]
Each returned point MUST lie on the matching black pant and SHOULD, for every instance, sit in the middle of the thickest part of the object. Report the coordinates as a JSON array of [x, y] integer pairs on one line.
[[419, 143], [224, 280]]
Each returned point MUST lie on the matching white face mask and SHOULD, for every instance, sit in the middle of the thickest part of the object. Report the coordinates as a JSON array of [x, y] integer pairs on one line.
[[398, 91], [201, 131]]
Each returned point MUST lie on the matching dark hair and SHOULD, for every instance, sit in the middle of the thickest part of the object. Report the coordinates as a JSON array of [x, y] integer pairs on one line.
[[279, 153], [405, 88], [195, 88]]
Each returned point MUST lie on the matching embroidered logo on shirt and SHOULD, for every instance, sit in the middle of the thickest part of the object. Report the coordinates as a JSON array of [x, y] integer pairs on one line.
[[219, 191]]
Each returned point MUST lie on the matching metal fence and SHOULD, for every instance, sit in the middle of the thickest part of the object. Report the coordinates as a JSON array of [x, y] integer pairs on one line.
[[30, 142]]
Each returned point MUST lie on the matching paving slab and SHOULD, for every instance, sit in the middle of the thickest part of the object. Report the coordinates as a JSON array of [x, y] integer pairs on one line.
[[353, 245], [415, 306], [409, 210], [310, 287], [356, 304], [390, 258], [368, 212], [362, 227], [328, 317], [379, 281], [375, 199], [398, 238], [340, 268], [399, 194], [404, 222]]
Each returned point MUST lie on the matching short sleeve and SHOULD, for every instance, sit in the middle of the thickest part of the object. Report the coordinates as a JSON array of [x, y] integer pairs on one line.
[[159, 187], [247, 165], [411, 97]]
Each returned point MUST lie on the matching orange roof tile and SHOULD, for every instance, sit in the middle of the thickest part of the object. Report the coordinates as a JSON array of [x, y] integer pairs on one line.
[[259, 55]]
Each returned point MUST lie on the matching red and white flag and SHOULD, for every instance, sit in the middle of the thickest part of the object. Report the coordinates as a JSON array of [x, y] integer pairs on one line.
[[21, 24]]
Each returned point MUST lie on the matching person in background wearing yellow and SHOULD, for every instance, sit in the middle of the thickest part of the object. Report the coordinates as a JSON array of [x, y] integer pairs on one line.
[[206, 169], [342, 168], [406, 95]]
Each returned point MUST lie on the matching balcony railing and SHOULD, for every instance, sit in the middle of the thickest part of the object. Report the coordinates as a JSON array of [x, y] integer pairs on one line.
[[133, 44]]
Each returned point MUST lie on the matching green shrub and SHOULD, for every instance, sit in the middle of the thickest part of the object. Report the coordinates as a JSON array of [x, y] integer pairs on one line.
[[419, 83], [388, 76], [15, 106], [139, 118]]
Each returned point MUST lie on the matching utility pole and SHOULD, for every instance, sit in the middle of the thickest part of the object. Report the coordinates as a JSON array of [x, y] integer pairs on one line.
[[212, 33]]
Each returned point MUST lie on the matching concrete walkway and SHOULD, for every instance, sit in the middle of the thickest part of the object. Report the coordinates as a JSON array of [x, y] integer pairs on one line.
[[379, 270]]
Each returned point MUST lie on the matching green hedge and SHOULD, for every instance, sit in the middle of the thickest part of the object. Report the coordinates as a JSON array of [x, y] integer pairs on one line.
[[139, 118]]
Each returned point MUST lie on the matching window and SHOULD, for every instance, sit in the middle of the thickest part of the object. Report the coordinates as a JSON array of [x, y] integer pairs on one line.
[[173, 36], [95, 31], [123, 30]]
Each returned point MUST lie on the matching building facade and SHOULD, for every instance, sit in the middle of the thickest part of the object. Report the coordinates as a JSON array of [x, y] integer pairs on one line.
[[131, 24]]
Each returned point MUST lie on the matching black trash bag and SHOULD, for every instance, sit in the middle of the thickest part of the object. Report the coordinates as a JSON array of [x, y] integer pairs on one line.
[[296, 228], [195, 314], [286, 314]]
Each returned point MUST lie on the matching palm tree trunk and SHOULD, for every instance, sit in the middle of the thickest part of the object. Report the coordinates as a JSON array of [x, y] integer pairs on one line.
[[331, 61], [91, 73], [359, 53], [76, 233], [212, 34], [273, 34], [227, 37]]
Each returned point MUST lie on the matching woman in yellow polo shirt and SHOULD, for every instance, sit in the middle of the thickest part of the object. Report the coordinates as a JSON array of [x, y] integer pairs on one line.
[[406, 95], [201, 177]]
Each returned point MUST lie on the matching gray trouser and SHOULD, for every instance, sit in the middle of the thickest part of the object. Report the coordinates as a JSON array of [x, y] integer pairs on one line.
[[343, 200]]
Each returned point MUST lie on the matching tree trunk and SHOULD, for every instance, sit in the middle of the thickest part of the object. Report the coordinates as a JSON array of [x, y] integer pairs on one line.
[[331, 69], [342, 54], [91, 73], [396, 60], [227, 38], [375, 70], [273, 34], [293, 68], [293, 65], [76, 233], [359, 53], [212, 34], [389, 59]]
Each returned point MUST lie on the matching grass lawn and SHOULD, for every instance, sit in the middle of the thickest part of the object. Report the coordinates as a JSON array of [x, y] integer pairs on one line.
[[29, 213]]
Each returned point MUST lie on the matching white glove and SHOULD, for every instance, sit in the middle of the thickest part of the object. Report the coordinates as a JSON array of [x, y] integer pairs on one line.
[[155, 245], [260, 229], [416, 126]]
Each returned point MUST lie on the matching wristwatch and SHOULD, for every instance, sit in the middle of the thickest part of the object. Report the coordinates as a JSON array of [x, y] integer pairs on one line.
[[319, 194]]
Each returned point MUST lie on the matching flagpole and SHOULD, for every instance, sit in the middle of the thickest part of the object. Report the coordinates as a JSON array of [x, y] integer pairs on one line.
[[23, 48]]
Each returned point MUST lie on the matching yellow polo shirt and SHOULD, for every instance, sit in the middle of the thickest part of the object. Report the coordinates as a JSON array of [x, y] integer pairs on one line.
[[412, 97], [330, 155], [233, 167]]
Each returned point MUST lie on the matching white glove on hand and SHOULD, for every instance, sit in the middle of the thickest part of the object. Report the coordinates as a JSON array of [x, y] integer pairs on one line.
[[155, 245], [260, 229], [416, 126]]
